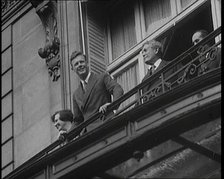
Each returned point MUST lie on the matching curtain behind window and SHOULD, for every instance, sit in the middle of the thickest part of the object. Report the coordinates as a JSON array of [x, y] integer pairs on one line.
[[128, 79], [122, 28], [186, 3], [156, 13]]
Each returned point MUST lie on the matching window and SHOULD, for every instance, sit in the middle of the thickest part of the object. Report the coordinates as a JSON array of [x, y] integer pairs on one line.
[[186, 3], [125, 24], [122, 28], [201, 18], [128, 79], [156, 13]]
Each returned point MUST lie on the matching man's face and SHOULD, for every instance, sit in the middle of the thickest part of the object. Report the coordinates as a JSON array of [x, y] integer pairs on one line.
[[80, 66], [196, 38], [149, 54], [59, 124]]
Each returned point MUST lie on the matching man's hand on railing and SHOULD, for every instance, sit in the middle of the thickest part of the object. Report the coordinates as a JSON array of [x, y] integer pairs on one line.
[[103, 108]]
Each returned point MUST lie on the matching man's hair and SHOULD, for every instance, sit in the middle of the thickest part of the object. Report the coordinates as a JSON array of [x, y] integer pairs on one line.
[[75, 54], [203, 32], [64, 115], [155, 45]]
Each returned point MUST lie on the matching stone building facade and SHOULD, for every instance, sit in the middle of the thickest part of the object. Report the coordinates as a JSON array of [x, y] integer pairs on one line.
[[38, 38]]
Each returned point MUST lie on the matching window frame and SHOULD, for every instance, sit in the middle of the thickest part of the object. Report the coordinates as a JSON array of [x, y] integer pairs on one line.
[[176, 17]]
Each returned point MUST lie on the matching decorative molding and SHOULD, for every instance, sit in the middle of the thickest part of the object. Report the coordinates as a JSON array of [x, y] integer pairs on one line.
[[11, 7], [47, 11], [6, 5]]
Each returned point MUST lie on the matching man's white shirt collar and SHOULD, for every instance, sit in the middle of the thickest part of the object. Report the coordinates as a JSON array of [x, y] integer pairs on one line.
[[156, 64]]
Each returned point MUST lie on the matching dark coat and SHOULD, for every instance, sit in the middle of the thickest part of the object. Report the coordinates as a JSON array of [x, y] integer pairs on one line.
[[156, 81], [99, 89]]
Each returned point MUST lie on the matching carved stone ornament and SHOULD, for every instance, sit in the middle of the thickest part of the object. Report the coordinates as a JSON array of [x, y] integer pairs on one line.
[[47, 11]]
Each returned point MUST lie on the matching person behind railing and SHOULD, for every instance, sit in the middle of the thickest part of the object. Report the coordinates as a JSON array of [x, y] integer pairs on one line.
[[210, 60], [152, 55], [93, 93], [63, 120]]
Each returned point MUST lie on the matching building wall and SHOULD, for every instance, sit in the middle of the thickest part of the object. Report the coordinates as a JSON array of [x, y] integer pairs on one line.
[[30, 97], [35, 95]]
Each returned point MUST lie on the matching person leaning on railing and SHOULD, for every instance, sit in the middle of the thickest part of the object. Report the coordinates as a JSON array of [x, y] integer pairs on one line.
[[63, 120], [152, 55], [94, 92], [208, 61]]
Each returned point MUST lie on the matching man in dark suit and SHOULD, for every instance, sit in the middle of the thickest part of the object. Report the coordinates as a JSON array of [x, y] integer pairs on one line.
[[94, 91], [210, 60], [152, 53]]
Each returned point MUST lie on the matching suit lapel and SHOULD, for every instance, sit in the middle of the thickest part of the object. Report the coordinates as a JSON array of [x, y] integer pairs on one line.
[[161, 65], [79, 96], [91, 83]]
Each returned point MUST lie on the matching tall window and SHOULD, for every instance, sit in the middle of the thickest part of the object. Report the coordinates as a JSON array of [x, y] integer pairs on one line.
[[122, 28], [156, 13]]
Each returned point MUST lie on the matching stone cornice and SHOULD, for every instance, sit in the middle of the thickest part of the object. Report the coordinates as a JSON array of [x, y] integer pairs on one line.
[[10, 8]]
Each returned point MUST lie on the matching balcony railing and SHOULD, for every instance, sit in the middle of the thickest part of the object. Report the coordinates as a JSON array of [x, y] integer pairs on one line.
[[187, 68]]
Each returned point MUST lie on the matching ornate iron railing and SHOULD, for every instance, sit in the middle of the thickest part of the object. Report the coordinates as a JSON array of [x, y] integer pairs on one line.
[[187, 67]]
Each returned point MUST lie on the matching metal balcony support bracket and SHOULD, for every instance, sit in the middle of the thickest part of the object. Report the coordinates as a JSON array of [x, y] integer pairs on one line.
[[198, 148], [47, 11]]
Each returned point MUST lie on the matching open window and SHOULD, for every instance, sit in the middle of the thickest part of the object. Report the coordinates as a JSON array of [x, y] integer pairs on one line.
[[182, 32]]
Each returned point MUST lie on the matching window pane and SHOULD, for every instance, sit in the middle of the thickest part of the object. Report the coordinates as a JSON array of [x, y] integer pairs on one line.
[[156, 13], [7, 105], [128, 79], [6, 60], [6, 82], [6, 129], [122, 27], [7, 170], [186, 3], [7, 153]]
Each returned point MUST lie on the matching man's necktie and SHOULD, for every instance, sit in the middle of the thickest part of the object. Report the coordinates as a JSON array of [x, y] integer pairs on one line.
[[84, 86], [152, 69]]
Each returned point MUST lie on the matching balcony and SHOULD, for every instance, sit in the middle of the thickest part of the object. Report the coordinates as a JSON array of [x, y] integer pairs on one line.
[[181, 102]]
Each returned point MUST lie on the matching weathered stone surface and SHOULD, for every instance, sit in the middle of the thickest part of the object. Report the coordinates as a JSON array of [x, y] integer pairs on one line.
[[26, 61], [6, 38], [7, 105], [55, 94], [18, 111], [6, 82], [32, 140], [7, 129], [7, 151], [25, 26], [35, 98], [7, 170], [6, 59]]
